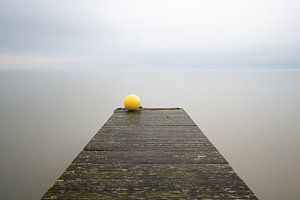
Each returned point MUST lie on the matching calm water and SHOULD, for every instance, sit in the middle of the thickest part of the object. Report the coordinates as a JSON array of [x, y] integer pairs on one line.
[[252, 117]]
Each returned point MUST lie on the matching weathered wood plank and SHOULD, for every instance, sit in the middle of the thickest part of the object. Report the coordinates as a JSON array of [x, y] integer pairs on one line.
[[149, 154], [127, 134], [151, 118], [149, 171], [147, 157], [182, 131], [187, 146], [207, 181]]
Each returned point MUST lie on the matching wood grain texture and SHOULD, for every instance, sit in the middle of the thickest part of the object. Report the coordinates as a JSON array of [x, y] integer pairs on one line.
[[149, 154]]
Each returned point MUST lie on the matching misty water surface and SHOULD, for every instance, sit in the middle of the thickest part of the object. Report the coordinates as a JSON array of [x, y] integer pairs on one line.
[[252, 117]]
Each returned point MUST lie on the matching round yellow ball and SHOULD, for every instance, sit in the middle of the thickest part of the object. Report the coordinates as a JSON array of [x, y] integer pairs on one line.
[[132, 102]]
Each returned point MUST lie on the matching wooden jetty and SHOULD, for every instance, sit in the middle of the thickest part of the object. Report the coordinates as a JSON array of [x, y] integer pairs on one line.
[[157, 153]]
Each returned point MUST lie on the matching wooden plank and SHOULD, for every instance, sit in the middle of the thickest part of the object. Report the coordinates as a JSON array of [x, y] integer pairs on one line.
[[175, 117], [148, 171], [147, 157], [149, 154], [183, 131], [167, 146], [206, 181]]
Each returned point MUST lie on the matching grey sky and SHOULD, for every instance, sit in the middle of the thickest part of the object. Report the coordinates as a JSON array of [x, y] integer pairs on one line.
[[153, 34]]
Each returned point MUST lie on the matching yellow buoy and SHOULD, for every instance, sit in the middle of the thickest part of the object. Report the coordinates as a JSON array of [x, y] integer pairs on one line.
[[132, 102]]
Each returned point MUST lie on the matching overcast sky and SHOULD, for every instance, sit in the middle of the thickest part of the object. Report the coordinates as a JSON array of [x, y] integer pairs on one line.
[[150, 34]]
